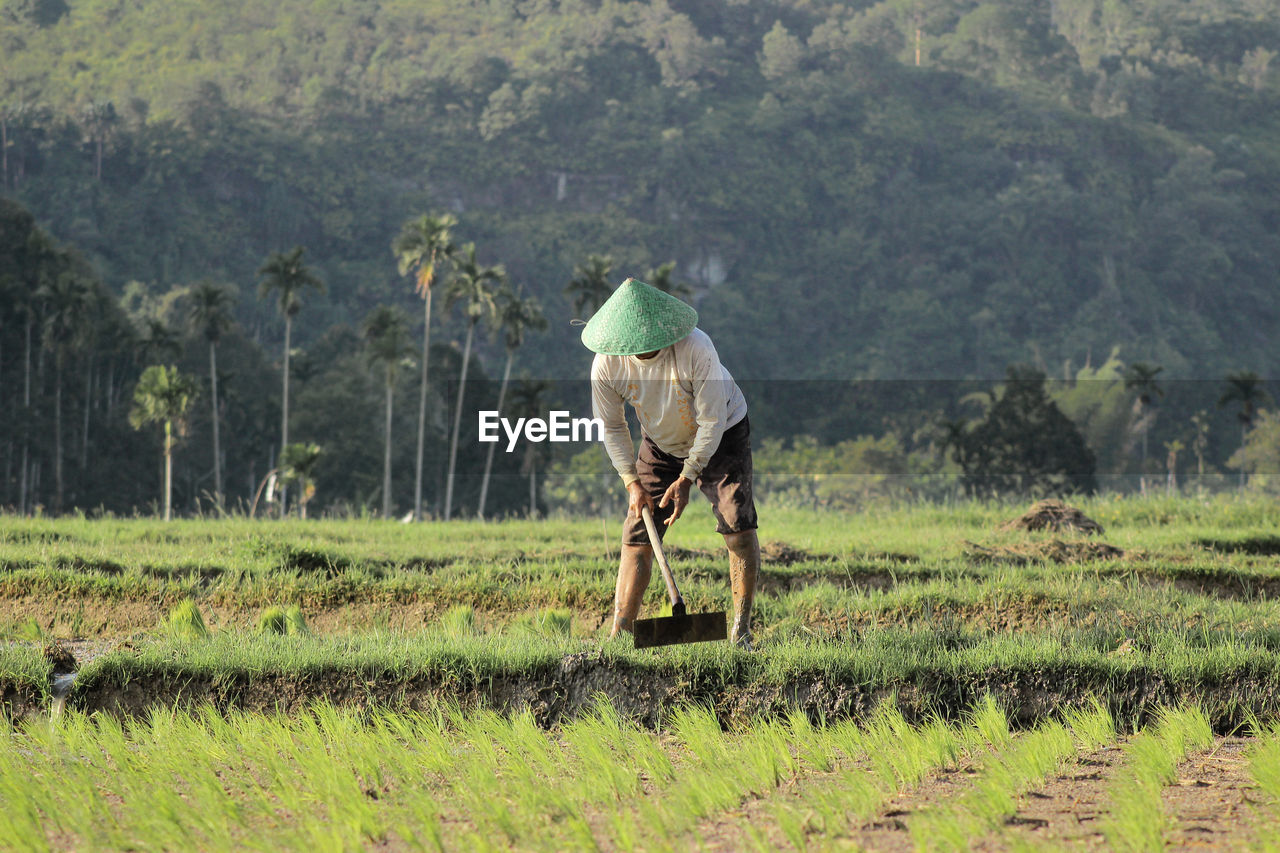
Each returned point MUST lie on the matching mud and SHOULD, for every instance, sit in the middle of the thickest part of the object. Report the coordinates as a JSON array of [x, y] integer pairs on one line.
[[1258, 546], [60, 657], [1053, 515], [649, 694], [1207, 581], [1052, 550], [22, 701]]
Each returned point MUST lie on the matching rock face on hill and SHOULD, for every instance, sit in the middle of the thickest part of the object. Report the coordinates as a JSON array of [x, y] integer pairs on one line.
[[1053, 515]]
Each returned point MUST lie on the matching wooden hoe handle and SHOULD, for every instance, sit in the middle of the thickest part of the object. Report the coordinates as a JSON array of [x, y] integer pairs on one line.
[[677, 603]]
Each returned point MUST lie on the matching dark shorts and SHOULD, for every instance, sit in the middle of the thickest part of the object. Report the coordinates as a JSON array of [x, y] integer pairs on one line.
[[726, 481]]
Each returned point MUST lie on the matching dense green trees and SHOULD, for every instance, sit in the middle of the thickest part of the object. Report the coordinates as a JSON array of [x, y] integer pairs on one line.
[[1024, 445], [902, 189]]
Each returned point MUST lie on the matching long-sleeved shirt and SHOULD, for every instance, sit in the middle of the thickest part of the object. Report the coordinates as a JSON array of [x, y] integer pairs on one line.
[[684, 397]]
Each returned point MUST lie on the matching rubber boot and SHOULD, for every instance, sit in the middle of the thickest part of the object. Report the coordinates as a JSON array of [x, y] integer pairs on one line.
[[744, 569], [634, 570]]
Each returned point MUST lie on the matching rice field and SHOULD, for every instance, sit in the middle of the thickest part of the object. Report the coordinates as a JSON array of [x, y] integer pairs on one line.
[[923, 679]]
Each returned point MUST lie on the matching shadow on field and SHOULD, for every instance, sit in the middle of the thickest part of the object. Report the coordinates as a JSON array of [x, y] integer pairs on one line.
[[1258, 546]]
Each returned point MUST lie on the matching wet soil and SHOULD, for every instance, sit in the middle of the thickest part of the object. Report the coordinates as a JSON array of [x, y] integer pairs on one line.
[[1263, 546], [112, 620], [20, 701], [1052, 550]]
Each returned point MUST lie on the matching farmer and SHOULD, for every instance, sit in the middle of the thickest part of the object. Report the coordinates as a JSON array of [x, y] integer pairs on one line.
[[693, 419]]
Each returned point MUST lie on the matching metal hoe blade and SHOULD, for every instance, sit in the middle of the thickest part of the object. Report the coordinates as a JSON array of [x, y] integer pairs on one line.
[[677, 630]]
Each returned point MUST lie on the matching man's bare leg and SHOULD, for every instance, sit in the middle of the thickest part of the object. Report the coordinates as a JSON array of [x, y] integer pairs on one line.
[[744, 569], [633, 579]]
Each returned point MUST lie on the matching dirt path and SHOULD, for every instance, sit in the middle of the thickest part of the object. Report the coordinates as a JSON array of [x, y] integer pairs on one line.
[[889, 831], [1214, 800], [733, 830], [1065, 810]]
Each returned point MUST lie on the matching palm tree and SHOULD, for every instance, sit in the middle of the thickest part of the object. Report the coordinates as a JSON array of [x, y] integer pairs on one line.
[[515, 317], [156, 342], [661, 279], [528, 400], [286, 275], [1141, 377], [1246, 389], [210, 316], [68, 300], [298, 466], [473, 286], [386, 335], [162, 396], [422, 243], [590, 286]]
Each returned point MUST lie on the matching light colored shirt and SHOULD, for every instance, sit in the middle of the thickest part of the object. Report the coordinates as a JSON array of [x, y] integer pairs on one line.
[[684, 398]]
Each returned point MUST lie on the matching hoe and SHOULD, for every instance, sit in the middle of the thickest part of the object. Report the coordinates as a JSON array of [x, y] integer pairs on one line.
[[679, 627]]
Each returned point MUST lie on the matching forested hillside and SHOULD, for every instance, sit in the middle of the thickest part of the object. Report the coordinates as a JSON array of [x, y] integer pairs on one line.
[[857, 190]]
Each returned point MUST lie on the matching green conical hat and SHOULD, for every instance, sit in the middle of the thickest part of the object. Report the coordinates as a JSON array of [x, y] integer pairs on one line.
[[638, 318]]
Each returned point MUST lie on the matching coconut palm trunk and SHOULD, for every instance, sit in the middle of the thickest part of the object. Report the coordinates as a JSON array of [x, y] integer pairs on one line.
[[488, 461], [457, 423], [284, 408], [386, 456], [533, 491], [422, 409], [88, 397], [1244, 436], [217, 446], [168, 470], [23, 501], [57, 434]]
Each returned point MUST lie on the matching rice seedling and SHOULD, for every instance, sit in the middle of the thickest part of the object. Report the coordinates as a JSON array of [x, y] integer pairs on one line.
[[459, 621], [185, 622], [295, 622], [1264, 762], [272, 621], [1137, 821], [549, 622]]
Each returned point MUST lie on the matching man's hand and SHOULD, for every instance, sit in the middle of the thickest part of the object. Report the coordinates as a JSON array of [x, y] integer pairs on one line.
[[637, 497], [678, 496]]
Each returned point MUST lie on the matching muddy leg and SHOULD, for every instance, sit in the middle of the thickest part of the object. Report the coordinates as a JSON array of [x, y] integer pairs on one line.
[[744, 567], [633, 580]]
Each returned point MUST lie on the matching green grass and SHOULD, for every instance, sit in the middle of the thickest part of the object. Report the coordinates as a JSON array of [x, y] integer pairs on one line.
[[23, 667]]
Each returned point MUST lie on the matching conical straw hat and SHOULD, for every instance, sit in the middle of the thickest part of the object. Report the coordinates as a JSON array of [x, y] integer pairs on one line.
[[638, 318]]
